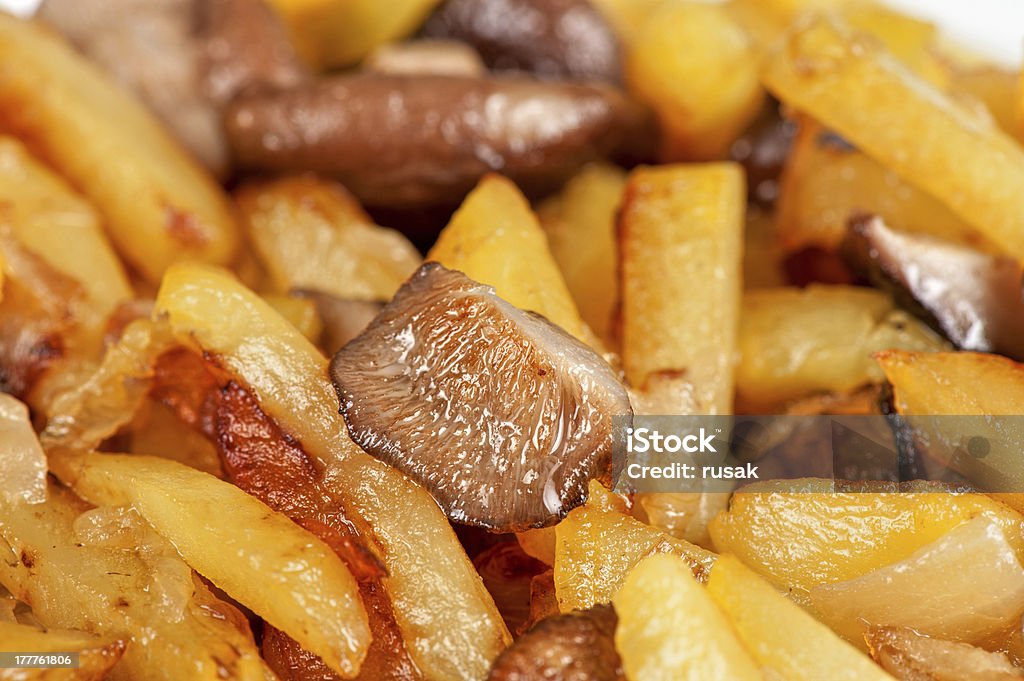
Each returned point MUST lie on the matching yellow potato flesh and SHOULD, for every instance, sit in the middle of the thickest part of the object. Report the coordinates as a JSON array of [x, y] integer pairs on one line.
[[257, 556], [697, 70], [681, 236], [670, 629], [496, 239], [795, 342], [784, 640], [57, 225], [856, 88], [157, 204], [95, 655], [595, 550], [98, 572], [580, 226], [799, 534], [427, 567]]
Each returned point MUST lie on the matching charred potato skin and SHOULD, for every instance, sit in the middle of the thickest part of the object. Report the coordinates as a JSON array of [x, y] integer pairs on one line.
[[407, 141]]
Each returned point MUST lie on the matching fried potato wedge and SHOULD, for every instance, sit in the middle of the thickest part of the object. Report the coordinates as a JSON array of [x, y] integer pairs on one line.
[[311, 233], [959, 156], [57, 225], [95, 655], [104, 571], [909, 655], [580, 226], [670, 629], [427, 568], [259, 557], [157, 204], [331, 33], [826, 181], [785, 641], [966, 384], [801, 533], [698, 71], [595, 548], [993, 87], [795, 342], [681, 243], [496, 239]]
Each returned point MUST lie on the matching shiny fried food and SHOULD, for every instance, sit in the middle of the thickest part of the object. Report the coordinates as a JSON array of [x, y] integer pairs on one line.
[[96, 655]]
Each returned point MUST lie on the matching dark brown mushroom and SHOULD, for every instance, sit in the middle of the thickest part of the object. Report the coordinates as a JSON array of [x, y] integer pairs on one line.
[[414, 140], [975, 299], [550, 38], [762, 150], [578, 646], [244, 46], [501, 415]]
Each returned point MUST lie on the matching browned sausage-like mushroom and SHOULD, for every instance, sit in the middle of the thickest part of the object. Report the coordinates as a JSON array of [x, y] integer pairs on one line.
[[974, 298], [406, 141], [578, 646], [551, 38], [501, 415]]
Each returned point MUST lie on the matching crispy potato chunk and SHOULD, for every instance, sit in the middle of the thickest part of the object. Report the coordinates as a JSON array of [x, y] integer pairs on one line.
[[966, 384], [95, 655], [825, 182], [681, 242], [854, 86], [311, 233], [157, 203], [266, 562], [427, 568], [103, 571], [58, 226], [495, 238], [580, 226], [698, 70], [911, 656], [796, 342], [670, 629], [330, 33], [801, 533], [785, 641], [596, 547]]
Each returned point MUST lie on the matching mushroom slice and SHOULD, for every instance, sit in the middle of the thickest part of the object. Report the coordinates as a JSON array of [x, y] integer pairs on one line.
[[405, 141], [973, 298], [500, 414], [578, 646], [551, 38]]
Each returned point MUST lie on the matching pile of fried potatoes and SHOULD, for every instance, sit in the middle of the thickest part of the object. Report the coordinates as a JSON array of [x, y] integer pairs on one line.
[[810, 207]]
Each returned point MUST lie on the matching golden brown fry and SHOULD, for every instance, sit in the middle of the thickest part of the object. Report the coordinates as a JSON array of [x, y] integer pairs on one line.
[[784, 640], [104, 571], [825, 182], [332, 33], [855, 87], [697, 70], [96, 655], [427, 568], [580, 226], [259, 557], [58, 226], [157, 203], [596, 548], [311, 233], [495, 238], [680, 240], [796, 342]]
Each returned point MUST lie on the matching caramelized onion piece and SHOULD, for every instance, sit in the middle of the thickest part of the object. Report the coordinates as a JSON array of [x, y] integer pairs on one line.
[[551, 38], [909, 656], [399, 141], [578, 646], [501, 415], [974, 298]]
